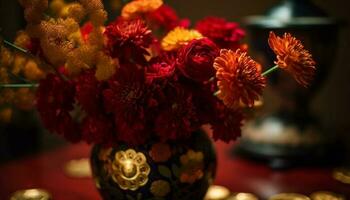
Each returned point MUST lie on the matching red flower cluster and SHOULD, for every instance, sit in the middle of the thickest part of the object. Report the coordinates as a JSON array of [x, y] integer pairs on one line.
[[128, 39], [55, 99], [225, 34], [166, 96], [166, 18], [155, 93]]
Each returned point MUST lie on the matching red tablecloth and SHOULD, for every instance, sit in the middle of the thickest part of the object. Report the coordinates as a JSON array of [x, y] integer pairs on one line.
[[46, 171]]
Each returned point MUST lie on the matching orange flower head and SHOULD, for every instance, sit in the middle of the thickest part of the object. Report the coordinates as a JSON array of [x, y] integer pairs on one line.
[[139, 7], [160, 152], [239, 78], [179, 37], [292, 57]]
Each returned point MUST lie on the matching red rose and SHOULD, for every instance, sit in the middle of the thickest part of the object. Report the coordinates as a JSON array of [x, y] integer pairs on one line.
[[196, 59], [225, 34]]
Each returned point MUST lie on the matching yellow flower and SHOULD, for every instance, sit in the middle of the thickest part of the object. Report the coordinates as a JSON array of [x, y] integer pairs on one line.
[[6, 57], [18, 64], [105, 68], [178, 38], [98, 17], [56, 6], [192, 166], [73, 10], [22, 39], [160, 188], [6, 115], [138, 7], [81, 58], [4, 76], [96, 37], [32, 72], [130, 169], [6, 96]]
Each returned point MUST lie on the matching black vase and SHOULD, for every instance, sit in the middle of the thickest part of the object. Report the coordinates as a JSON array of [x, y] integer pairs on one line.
[[156, 170]]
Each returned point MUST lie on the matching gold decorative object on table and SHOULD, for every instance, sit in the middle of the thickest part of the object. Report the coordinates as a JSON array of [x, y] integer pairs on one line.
[[289, 196], [242, 196], [342, 175], [216, 192], [79, 168], [130, 169], [31, 194], [325, 195]]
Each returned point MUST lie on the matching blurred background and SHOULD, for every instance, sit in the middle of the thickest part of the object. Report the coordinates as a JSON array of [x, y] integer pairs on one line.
[[331, 104]]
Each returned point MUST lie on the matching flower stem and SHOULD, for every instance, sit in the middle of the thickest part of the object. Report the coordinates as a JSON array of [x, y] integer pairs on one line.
[[15, 47], [272, 69], [19, 85], [20, 49]]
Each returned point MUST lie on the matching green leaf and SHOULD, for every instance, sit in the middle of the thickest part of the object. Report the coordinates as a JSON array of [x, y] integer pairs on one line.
[[164, 171], [129, 197], [176, 170], [139, 196]]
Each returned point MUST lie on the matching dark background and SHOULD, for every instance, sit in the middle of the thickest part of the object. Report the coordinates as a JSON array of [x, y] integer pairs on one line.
[[332, 104]]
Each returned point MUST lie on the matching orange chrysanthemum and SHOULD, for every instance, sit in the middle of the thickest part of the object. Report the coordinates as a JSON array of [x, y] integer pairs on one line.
[[178, 38], [292, 57], [239, 78], [137, 7]]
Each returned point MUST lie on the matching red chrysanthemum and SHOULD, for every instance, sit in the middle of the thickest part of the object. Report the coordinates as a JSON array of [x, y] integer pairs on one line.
[[239, 78], [178, 120], [97, 129], [55, 99], [161, 68], [225, 34], [196, 59], [165, 17], [292, 57], [128, 39], [226, 123], [89, 92], [126, 99]]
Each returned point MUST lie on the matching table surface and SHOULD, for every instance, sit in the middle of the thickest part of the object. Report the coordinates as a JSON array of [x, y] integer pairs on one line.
[[46, 171]]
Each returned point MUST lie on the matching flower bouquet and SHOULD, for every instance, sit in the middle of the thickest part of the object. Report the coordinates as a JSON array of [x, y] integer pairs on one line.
[[141, 87]]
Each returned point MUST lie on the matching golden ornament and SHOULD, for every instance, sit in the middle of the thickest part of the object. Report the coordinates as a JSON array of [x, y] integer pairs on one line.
[[216, 192], [289, 196], [31, 194], [130, 169], [325, 195], [243, 196], [342, 175]]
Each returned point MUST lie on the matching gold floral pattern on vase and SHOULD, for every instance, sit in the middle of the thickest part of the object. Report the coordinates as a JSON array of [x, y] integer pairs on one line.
[[160, 152], [130, 169], [162, 170], [192, 166], [160, 188]]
